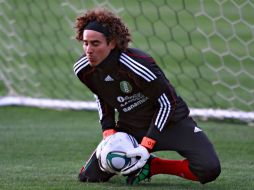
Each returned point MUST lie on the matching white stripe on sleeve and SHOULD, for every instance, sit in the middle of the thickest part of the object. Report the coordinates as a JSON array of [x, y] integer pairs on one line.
[[80, 65], [137, 68], [163, 112]]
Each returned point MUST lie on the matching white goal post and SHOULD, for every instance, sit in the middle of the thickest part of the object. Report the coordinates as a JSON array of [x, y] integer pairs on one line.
[[206, 49], [201, 113]]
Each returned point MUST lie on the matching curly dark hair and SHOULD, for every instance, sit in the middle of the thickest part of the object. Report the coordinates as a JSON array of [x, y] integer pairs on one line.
[[116, 27]]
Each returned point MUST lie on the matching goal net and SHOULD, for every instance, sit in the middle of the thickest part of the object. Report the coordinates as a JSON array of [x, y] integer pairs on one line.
[[206, 49]]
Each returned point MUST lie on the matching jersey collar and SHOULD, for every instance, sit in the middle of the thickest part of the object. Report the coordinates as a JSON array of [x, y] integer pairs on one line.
[[109, 64]]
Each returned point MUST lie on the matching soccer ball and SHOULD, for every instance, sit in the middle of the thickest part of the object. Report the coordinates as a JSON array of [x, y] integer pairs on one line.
[[117, 160], [113, 154]]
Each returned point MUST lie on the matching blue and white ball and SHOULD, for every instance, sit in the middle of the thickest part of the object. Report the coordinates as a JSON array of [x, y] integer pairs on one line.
[[113, 155]]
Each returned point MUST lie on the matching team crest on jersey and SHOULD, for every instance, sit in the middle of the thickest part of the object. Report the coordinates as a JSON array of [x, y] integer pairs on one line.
[[125, 87]]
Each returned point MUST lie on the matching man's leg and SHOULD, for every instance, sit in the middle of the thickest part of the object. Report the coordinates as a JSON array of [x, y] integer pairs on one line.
[[173, 167], [156, 165], [201, 162], [91, 171]]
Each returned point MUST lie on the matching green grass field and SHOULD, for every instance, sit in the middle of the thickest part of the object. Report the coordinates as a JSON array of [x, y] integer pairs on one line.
[[44, 149]]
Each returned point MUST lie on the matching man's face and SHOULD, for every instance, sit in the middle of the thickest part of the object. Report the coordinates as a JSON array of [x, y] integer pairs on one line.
[[96, 47]]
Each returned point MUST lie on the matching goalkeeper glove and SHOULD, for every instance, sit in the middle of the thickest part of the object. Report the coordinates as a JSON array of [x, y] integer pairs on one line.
[[106, 135], [142, 152]]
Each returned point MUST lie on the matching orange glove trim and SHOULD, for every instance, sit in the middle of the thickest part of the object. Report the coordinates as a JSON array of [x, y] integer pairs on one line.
[[148, 143], [108, 132]]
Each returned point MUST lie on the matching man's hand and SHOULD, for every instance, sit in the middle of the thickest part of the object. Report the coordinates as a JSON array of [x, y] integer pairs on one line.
[[99, 148], [103, 166], [141, 152], [106, 134]]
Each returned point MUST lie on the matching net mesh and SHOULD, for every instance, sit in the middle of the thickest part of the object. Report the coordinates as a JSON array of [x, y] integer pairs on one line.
[[206, 48]]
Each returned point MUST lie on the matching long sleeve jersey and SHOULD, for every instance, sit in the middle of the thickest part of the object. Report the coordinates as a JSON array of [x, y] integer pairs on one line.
[[133, 84]]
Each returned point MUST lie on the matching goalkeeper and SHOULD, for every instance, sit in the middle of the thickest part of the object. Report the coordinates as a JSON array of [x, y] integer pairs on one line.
[[129, 80]]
